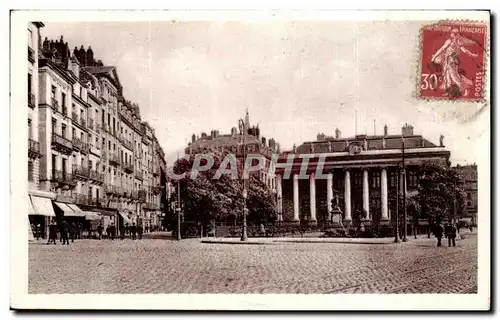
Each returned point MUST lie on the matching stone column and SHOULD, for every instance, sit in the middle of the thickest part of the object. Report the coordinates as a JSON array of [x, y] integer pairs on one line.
[[347, 195], [312, 195], [280, 197], [296, 197], [383, 195], [366, 195], [329, 195]]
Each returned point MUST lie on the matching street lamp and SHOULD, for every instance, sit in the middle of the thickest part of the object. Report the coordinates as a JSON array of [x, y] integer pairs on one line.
[[243, 129]]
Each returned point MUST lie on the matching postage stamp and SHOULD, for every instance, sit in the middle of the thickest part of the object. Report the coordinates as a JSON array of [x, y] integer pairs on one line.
[[452, 65]]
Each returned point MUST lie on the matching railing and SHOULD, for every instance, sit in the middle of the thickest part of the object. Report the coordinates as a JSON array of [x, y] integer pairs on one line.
[[81, 171], [55, 104], [60, 140], [31, 99], [80, 198], [62, 177], [114, 158], [96, 176], [83, 123], [80, 145], [128, 167], [33, 146], [138, 175], [74, 116], [90, 122]]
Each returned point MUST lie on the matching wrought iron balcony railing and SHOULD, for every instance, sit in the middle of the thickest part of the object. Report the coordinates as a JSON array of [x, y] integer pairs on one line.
[[81, 171], [33, 146], [60, 141]]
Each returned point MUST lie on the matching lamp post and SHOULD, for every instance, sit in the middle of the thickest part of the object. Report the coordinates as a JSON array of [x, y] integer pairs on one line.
[[405, 227], [243, 129], [396, 230]]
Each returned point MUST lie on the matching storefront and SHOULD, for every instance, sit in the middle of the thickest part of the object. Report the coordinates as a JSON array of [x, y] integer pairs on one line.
[[40, 211]]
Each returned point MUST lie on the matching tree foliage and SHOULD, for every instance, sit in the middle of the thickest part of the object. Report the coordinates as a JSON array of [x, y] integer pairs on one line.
[[440, 193], [205, 198]]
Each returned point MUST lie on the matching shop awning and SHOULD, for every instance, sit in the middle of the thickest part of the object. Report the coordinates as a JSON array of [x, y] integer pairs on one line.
[[90, 215], [43, 206], [31, 209], [68, 211], [125, 217]]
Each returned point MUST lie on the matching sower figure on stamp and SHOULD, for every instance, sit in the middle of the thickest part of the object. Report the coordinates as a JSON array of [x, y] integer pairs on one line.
[[455, 83]]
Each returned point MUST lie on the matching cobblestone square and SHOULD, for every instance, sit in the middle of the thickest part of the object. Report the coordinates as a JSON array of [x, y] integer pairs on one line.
[[189, 266]]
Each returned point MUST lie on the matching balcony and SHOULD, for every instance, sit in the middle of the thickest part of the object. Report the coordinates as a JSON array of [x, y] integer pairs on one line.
[[90, 123], [138, 175], [81, 172], [80, 198], [83, 123], [61, 144], [96, 176], [95, 150], [141, 195], [114, 159], [33, 149], [127, 144], [97, 128], [150, 206], [54, 105], [81, 146], [31, 100], [62, 178], [129, 168]]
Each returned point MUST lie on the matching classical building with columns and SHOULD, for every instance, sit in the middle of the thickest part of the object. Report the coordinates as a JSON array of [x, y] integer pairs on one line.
[[360, 172]]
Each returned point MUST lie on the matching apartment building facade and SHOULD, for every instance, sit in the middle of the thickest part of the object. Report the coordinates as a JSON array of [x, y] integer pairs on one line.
[[86, 141]]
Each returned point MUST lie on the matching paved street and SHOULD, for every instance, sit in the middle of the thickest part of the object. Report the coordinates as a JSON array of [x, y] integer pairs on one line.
[[164, 266]]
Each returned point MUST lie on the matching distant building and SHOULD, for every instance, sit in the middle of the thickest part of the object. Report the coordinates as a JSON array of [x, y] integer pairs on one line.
[[233, 142], [469, 175], [361, 172]]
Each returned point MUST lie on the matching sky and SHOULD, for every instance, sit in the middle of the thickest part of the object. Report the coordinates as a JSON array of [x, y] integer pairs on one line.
[[297, 79]]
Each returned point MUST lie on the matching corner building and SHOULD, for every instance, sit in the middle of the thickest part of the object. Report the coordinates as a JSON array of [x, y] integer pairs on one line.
[[361, 172], [86, 143]]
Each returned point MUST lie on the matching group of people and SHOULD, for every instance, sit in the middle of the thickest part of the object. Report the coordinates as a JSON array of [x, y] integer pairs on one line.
[[66, 232], [449, 231], [135, 231]]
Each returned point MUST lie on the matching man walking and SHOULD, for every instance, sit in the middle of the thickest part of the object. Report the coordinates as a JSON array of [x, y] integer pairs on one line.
[[438, 232], [64, 232], [133, 231], [99, 231], [451, 233], [52, 233], [140, 231], [112, 230]]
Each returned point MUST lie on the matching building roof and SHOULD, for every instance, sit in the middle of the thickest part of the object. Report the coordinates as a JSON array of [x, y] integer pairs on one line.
[[372, 143], [226, 140]]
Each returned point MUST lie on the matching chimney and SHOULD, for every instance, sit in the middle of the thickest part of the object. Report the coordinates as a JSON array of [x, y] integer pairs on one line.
[[75, 66], [263, 140], [337, 134], [407, 130], [193, 138], [385, 131]]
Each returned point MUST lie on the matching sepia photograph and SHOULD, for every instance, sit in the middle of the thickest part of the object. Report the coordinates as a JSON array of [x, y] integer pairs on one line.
[[334, 157]]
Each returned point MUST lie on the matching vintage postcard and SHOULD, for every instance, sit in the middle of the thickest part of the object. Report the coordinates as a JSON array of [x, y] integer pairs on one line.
[[319, 160]]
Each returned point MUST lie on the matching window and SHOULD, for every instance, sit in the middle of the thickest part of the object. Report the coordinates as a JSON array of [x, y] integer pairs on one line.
[[81, 136], [30, 171], [81, 92], [469, 196], [63, 102], [29, 83], [81, 114], [63, 130], [109, 145], [54, 164], [29, 129], [97, 142], [64, 161], [74, 133], [412, 179], [114, 147], [393, 180], [90, 164], [53, 92], [109, 118]]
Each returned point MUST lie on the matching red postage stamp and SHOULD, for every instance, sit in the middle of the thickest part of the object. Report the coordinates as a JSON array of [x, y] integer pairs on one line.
[[453, 61]]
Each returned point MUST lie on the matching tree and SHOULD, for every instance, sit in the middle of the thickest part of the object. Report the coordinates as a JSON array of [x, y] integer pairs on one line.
[[205, 198], [440, 193]]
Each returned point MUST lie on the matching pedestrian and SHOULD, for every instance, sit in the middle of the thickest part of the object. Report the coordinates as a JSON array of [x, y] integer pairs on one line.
[[451, 233], [458, 227], [438, 232], [52, 233], [73, 231], [112, 230], [133, 231], [139, 231], [262, 230], [64, 229], [108, 232], [99, 231]]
